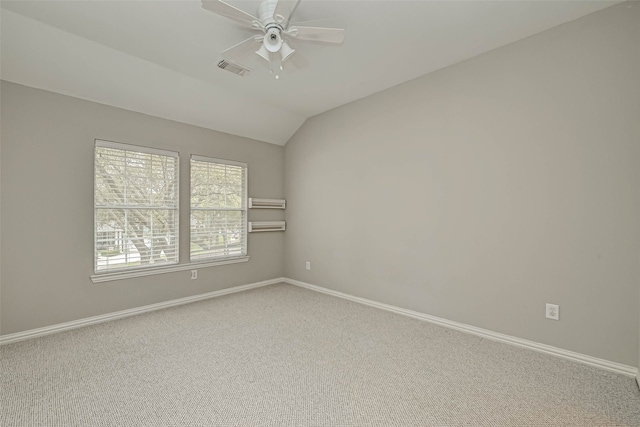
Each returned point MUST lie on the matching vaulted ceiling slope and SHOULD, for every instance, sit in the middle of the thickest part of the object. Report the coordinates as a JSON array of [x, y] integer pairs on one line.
[[159, 57]]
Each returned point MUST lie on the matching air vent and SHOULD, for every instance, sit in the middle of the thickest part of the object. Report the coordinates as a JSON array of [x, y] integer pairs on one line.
[[266, 203], [266, 226], [233, 67]]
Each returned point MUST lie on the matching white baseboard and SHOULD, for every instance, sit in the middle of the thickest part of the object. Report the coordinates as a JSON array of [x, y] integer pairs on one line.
[[484, 333], [60, 327], [532, 345]]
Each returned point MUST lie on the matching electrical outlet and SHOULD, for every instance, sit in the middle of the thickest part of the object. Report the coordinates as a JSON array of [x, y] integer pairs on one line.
[[308, 265], [553, 311], [194, 274]]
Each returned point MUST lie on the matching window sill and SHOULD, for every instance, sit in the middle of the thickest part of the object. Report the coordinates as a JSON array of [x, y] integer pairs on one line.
[[120, 275]]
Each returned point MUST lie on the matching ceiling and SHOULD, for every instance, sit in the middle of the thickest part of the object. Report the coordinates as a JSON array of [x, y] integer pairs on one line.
[[159, 57]]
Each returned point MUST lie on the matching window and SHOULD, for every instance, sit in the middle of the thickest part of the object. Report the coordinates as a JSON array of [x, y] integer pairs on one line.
[[218, 209], [135, 207]]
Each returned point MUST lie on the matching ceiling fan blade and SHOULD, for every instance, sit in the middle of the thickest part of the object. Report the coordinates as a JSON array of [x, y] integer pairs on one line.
[[283, 11], [221, 8], [317, 34], [265, 64], [333, 22], [242, 48]]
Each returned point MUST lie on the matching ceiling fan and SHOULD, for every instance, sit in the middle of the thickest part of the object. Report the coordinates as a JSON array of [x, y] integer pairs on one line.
[[274, 44]]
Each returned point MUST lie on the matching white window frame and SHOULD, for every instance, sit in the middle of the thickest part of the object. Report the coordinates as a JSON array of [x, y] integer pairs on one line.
[[245, 198], [134, 271]]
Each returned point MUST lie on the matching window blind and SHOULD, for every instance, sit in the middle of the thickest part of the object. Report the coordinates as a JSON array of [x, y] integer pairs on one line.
[[218, 208], [136, 207]]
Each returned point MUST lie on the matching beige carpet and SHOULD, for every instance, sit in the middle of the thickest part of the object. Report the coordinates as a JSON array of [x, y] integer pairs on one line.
[[286, 356]]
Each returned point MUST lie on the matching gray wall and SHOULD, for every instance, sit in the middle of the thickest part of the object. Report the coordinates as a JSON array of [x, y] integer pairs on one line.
[[485, 190], [47, 208]]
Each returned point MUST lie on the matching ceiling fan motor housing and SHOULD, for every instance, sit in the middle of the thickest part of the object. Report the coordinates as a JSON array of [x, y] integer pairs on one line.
[[273, 29], [266, 12]]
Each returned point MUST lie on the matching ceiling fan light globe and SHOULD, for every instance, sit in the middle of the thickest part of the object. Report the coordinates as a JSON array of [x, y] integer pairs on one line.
[[264, 53], [272, 40], [286, 51]]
